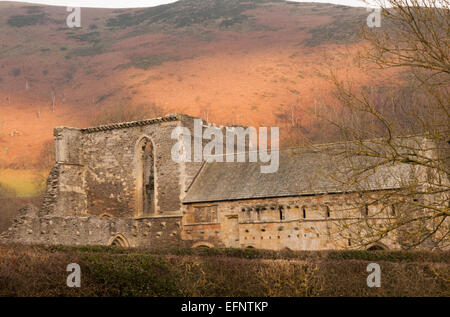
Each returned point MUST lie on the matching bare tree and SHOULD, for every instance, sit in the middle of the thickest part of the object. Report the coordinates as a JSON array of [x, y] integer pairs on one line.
[[398, 141], [53, 100]]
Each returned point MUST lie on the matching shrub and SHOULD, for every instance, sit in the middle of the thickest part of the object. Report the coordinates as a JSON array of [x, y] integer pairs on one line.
[[16, 72], [112, 271], [26, 20]]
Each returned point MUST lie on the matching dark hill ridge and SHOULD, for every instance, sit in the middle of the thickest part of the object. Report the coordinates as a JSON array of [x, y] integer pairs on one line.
[[199, 14]]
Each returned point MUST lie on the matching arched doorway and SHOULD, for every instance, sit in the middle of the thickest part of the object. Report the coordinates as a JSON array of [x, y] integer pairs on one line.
[[377, 247], [202, 245], [145, 181], [119, 241]]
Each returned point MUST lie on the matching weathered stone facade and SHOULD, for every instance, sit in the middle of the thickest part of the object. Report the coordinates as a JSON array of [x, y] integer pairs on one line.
[[95, 191], [296, 223], [117, 184]]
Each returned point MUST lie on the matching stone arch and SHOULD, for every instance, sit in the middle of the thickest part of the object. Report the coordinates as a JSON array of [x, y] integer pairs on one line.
[[145, 177], [377, 247], [202, 245], [106, 215], [120, 241]]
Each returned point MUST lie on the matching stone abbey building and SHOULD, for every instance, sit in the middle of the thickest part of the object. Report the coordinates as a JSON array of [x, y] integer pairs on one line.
[[118, 185]]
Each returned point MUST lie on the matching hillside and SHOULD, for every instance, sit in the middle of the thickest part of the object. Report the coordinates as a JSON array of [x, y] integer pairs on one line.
[[226, 61]]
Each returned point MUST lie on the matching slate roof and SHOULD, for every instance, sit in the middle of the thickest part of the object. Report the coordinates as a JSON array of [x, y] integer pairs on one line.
[[300, 172]]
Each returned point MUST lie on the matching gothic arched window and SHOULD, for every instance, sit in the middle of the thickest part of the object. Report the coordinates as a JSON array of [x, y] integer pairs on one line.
[[145, 178]]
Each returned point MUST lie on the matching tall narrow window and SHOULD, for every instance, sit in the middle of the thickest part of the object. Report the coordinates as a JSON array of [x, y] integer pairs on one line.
[[281, 213], [365, 211], [393, 210], [304, 211], [145, 178], [327, 211]]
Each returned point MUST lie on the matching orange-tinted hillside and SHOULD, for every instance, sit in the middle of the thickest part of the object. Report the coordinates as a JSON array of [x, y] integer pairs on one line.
[[231, 62]]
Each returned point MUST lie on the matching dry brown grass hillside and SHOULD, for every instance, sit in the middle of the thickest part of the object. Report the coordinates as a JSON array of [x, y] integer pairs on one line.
[[245, 62]]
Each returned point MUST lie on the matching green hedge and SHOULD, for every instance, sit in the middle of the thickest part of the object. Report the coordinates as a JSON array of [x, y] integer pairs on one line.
[[112, 271], [390, 256]]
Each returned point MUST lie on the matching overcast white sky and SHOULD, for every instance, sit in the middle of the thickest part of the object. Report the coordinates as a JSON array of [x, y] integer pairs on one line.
[[151, 3]]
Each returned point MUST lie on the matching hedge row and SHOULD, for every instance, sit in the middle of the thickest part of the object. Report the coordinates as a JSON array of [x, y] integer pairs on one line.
[[391, 256], [41, 271]]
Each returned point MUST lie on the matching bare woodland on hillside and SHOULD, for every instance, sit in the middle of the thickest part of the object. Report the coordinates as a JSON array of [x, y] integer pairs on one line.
[[124, 113]]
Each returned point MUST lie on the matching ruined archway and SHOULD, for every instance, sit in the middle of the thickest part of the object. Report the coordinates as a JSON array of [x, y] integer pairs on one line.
[[120, 241], [145, 178], [377, 247], [204, 245]]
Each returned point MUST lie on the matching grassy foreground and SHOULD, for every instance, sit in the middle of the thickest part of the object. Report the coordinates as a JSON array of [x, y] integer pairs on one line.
[[111, 271]]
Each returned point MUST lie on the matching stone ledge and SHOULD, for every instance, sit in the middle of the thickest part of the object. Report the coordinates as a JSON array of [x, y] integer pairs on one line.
[[201, 224], [114, 126], [157, 217]]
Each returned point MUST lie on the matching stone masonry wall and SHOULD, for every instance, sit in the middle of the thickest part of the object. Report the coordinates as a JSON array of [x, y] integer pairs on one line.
[[110, 160], [296, 223], [97, 169], [92, 189], [30, 228], [92, 199]]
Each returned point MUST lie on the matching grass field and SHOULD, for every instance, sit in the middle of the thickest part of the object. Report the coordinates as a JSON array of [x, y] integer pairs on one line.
[[113, 271], [25, 183]]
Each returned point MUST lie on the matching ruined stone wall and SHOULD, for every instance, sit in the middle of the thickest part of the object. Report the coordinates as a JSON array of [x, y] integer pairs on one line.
[[65, 192], [30, 228], [297, 223], [91, 194], [110, 158], [97, 169]]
